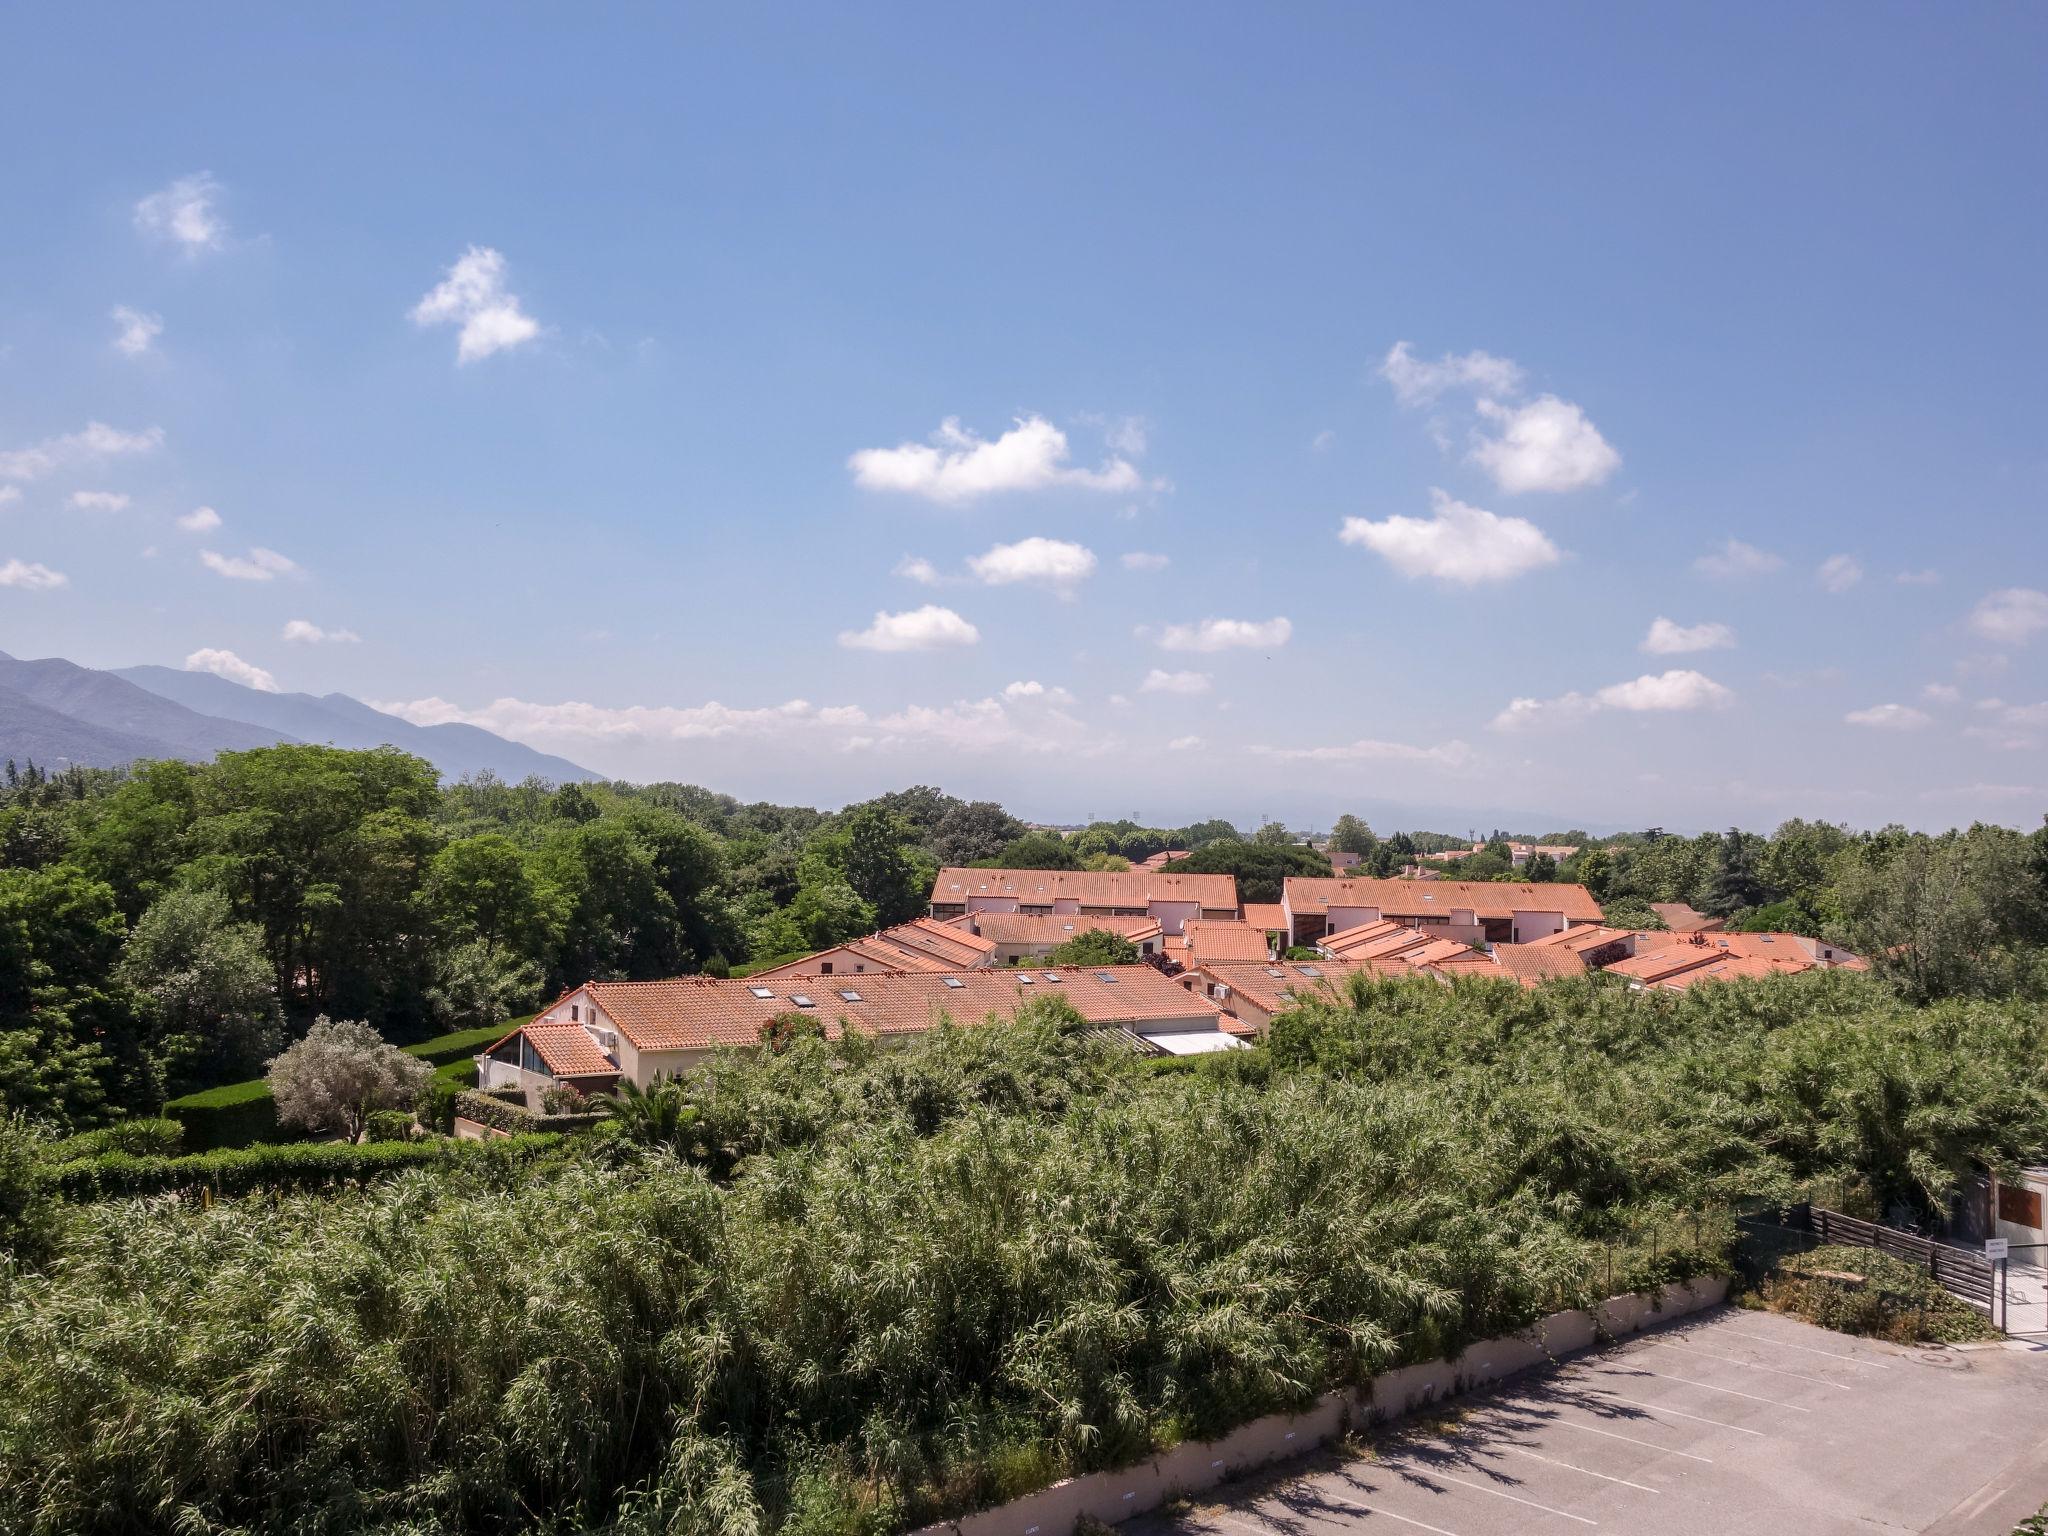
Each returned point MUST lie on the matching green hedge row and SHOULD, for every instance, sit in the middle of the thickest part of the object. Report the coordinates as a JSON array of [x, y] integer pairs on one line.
[[516, 1118], [243, 1114], [299, 1165]]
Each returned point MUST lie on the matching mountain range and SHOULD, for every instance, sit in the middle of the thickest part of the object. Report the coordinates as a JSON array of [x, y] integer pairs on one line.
[[56, 713]]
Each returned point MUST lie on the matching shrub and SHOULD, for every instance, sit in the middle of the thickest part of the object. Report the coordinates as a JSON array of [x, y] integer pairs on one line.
[[343, 1070], [517, 1119], [296, 1165], [388, 1125], [139, 1138], [1897, 1301], [436, 1107], [28, 1213], [232, 1115]]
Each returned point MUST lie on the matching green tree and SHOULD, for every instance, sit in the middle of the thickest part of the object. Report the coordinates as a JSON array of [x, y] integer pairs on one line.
[[1540, 869], [477, 984], [483, 888], [1735, 884], [1093, 947], [1351, 835], [1261, 869], [340, 1073], [1038, 850], [207, 992]]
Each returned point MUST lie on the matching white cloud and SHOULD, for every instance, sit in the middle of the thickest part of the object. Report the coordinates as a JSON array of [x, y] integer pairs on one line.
[[1735, 559], [30, 577], [1942, 693], [200, 520], [918, 569], [99, 501], [1128, 437], [1183, 743], [1661, 692], [959, 466], [1838, 573], [2011, 616], [920, 629], [1668, 639], [1890, 717], [1417, 381], [305, 632], [184, 213], [259, 564], [1322, 440], [1226, 635], [9, 493], [1455, 543], [96, 441], [1145, 560], [230, 666], [1019, 691], [473, 294], [138, 330], [1546, 445], [1925, 578], [1186, 684], [1450, 754], [1051, 563]]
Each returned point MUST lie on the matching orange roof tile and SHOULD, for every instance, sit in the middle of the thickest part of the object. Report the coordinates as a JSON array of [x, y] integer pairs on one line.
[[1531, 964], [1135, 888], [1269, 915], [1279, 984], [1429, 898], [1054, 927], [567, 1050], [1218, 941], [920, 945]]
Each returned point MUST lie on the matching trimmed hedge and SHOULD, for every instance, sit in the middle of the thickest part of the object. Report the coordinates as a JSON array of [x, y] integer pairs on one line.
[[515, 1118], [299, 1165], [138, 1137], [243, 1114]]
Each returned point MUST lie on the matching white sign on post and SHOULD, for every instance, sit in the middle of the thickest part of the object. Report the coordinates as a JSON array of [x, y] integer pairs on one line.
[[1995, 1247]]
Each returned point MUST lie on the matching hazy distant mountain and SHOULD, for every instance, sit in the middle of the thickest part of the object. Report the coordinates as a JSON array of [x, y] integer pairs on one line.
[[35, 733], [114, 721], [341, 721]]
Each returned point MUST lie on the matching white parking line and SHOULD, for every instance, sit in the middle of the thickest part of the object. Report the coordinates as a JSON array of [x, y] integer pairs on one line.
[[1363, 1509], [1574, 1467], [1648, 1445], [1748, 1365], [1763, 1338], [1710, 1387], [1431, 1472], [1696, 1418]]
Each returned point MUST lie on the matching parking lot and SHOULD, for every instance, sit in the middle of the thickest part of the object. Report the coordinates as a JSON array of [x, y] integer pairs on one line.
[[1731, 1422]]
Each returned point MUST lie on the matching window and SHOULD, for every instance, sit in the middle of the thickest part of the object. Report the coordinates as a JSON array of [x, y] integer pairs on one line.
[[955, 982], [801, 1000], [849, 994], [825, 967], [1024, 981], [575, 1015], [1276, 973], [1310, 970], [1054, 976], [764, 993], [1105, 978]]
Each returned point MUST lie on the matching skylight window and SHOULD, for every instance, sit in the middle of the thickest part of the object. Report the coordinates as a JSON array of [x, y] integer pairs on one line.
[[762, 992], [1054, 976], [1105, 978], [1310, 970], [955, 982], [1276, 973], [801, 1000], [1025, 981], [849, 994]]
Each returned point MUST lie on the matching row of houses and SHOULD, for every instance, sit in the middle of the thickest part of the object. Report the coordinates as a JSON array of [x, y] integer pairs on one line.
[[1211, 972]]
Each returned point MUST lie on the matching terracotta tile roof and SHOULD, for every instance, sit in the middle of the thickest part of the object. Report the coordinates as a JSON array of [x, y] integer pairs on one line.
[[566, 1049], [1277, 985], [1269, 915], [1730, 968], [1369, 941], [1681, 918], [1531, 964], [697, 1012], [920, 945], [1580, 940], [1779, 951], [1430, 898], [1136, 888], [1217, 941], [1052, 927], [1451, 952]]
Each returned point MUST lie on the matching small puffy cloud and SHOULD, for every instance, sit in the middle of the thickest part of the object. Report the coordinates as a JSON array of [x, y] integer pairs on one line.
[[27, 576], [1942, 693], [928, 628], [473, 295], [1186, 684], [2011, 616], [306, 632], [99, 501], [9, 493], [1041, 562], [1838, 573], [1030, 688], [1661, 692], [1145, 560], [1924, 578], [958, 466], [1668, 639], [1456, 543], [1323, 440], [1890, 717], [200, 520], [1417, 381], [184, 214], [96, 441], [230, 666], [918, 569], [1226, 635], [1735, 560], [138, 330], [259, 564], [1183, 743], [1546, 445], [1449, 754]]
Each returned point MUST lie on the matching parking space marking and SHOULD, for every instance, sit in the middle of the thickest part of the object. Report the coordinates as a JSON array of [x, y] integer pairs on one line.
[[1748, 1365], [1764, 1338], [1676, 1414], [1709, 1386], [1431, 1472], [1648, 1445], [1573, 1467], [1363, 1509]]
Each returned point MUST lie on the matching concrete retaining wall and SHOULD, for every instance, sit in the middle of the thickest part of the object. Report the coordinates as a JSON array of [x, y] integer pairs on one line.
[[1198, 1465]]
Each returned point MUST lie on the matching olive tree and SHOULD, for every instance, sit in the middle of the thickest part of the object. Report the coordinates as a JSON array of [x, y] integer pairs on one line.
[[338, 1074]]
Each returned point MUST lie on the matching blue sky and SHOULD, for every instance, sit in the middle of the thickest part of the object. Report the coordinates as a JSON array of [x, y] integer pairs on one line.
[[593, 371]]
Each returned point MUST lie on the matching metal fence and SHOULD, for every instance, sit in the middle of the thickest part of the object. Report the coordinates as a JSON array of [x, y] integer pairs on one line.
[[1966, 1276]]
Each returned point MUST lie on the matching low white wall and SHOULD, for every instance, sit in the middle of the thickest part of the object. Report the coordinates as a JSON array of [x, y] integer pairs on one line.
[[1201, 1464]]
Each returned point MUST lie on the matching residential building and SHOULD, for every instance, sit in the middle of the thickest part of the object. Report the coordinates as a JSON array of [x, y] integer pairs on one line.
[[1693, 958], [1034, 935], [1600, 946], [1473, 911], [1518, 853], [1253, 993], [1383, 940], [920, 945], [642, 1031], [1172, 901], [1680, 918], [1204, 943], [1268, 917]]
